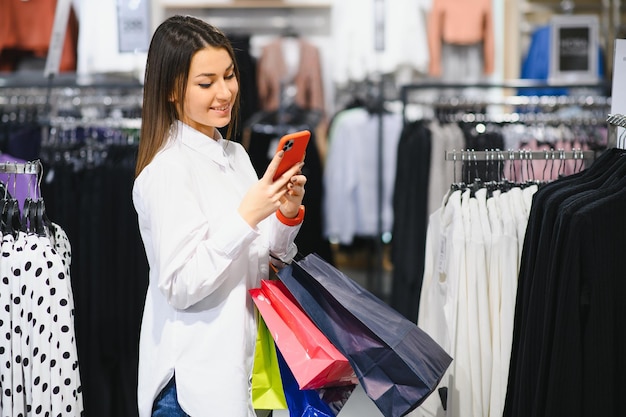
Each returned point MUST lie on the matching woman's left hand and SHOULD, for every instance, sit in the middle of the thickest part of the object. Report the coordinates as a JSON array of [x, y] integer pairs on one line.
[[292, 199]]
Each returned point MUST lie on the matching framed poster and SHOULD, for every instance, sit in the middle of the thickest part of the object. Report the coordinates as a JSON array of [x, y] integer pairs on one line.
[[574, 49], [133, 20]]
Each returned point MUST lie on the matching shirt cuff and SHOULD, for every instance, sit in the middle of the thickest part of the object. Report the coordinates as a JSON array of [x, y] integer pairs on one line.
[[291, 221]]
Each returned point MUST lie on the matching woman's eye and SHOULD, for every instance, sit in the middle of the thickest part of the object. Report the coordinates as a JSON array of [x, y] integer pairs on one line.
[[230, 77], [204, 85]]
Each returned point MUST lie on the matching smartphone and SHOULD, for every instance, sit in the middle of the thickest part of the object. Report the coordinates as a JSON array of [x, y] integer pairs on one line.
[[294, 145]]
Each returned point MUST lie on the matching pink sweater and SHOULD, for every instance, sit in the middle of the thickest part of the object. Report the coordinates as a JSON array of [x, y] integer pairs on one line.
[[460, 22]]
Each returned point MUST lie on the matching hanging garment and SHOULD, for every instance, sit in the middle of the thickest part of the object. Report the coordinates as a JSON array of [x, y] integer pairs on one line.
[[461, 28], [569, 298], [420, 171], [38, 326], [351, 175], [409, 213], [468, 294], [273, 75], [536, 259], [25, 28], [354, 50], [109, 267]]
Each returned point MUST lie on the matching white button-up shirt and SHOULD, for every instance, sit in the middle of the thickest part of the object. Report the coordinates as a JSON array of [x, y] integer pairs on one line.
[[198, 319]]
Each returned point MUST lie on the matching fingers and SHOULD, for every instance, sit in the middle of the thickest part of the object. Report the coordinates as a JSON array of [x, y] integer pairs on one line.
[[295, 170], [284, 179], [296, 184], [273, 166], [295, 190]]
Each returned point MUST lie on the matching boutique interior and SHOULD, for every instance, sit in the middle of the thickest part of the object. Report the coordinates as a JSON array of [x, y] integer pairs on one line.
[[418, 109]]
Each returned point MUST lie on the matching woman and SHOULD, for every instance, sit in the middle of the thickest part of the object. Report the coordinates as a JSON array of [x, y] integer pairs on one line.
[[208, 225]]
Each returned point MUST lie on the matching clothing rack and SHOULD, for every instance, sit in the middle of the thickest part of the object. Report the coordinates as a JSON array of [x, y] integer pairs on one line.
[[95, 96], [592, 95], [84, 132], [372, 93]]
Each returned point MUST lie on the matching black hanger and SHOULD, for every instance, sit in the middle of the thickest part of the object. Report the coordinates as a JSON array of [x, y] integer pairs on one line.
[[43, 224], [289, 31], [27, 220], [3, 205], [11, 214], [34, 218]]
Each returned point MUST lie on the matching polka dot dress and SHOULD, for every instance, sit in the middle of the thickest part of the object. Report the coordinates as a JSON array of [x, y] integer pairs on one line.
[[39, 372], [6, 371], [6, 377]]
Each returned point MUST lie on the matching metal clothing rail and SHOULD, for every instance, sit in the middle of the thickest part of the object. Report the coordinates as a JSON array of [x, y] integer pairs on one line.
[[589, 118], [33, 167], [518, 154], [69, 123], [546, 101], [538, 101], [517, 84], [616, 121]]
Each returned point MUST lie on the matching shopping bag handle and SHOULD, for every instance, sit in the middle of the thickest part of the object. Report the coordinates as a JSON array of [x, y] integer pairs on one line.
[[297, 257]]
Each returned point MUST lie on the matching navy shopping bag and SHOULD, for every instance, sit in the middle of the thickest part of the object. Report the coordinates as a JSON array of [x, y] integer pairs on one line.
[[396, 362]]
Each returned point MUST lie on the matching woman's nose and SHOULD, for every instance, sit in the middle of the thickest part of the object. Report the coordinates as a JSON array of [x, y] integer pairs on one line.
[[223, 90]]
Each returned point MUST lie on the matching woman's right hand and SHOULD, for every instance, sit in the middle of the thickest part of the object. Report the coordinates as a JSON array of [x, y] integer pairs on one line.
[[265, 197]]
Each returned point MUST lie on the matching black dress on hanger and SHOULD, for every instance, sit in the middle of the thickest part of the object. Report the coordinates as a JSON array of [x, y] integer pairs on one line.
[[410, 218], [568, 339]]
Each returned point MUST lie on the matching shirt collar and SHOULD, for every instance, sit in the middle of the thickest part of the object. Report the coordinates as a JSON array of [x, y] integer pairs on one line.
[[212, 148]]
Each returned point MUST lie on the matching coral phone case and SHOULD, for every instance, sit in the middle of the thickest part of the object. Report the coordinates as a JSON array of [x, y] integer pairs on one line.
[[294, 145]]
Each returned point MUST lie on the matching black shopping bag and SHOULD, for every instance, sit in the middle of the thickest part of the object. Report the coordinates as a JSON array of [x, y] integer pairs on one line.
[[396, 362]]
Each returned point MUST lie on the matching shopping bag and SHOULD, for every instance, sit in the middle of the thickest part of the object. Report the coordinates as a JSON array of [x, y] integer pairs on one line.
[[397, 363], [325, 402], [267, 387], [313, 360]]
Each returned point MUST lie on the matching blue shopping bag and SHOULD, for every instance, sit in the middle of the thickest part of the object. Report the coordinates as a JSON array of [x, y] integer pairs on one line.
[[323, 402]]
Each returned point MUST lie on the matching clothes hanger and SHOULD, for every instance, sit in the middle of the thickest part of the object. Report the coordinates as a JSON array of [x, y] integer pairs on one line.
[[3, 202], [43, 225], [13, 220], [289, 31]]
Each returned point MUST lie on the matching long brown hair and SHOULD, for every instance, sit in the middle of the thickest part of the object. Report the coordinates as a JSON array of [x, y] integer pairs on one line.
[[172, 47]]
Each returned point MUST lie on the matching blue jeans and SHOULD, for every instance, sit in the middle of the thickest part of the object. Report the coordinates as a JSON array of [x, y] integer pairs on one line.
[[166, 403]]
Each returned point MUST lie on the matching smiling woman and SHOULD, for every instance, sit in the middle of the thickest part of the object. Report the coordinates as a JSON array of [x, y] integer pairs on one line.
[[212, 90], [208, 225], [175, 46]]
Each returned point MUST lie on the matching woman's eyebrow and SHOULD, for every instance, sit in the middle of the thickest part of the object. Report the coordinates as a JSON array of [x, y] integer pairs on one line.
[[210, 74]]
